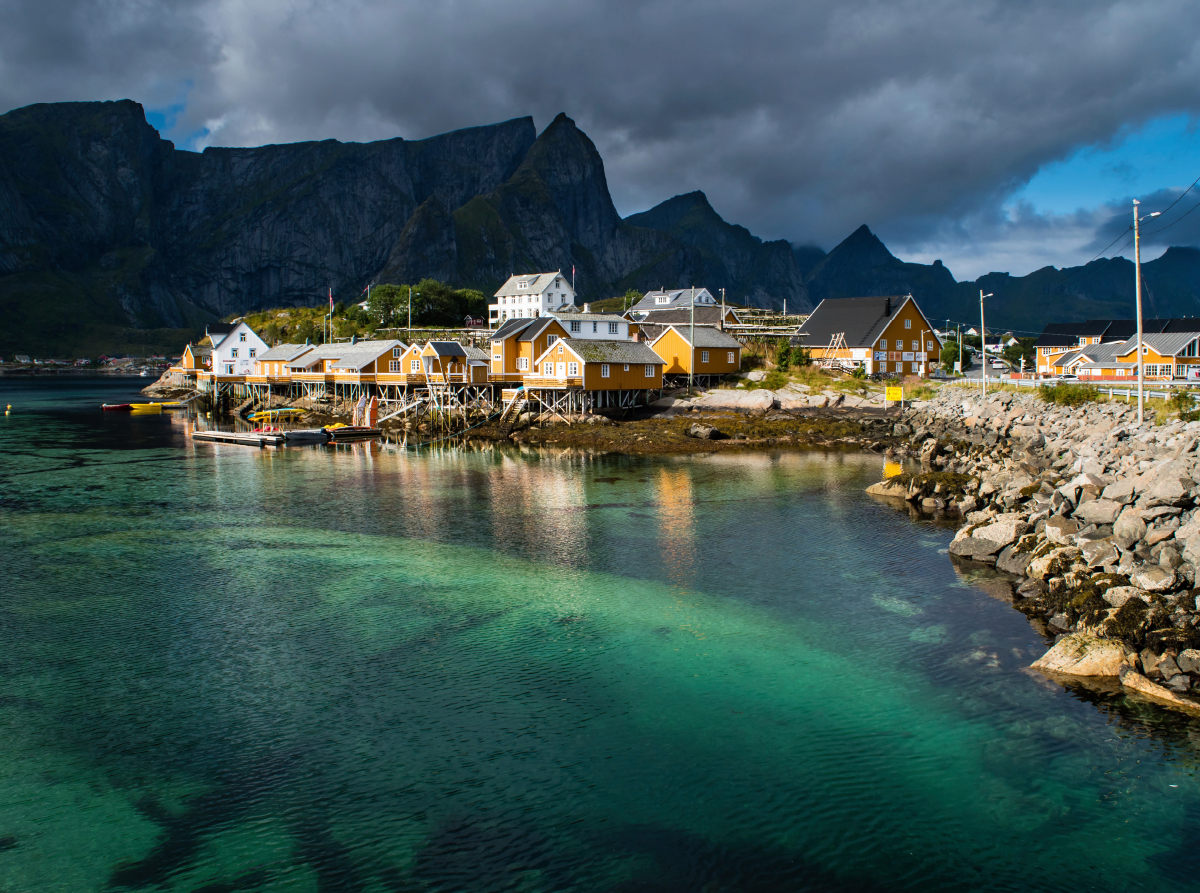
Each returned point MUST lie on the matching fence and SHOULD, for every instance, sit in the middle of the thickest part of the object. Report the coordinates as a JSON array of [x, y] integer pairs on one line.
[[1155, 391]]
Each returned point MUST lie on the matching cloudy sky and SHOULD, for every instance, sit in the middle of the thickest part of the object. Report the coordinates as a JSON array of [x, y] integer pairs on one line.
[[992, 135]]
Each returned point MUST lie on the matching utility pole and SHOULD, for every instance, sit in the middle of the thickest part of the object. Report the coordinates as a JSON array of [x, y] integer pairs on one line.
[[983, 339], [692, 339], [960, 368], [410, 313], [1137, 288]]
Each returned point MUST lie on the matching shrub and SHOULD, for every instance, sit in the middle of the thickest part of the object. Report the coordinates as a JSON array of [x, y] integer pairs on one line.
[[1066, 393]]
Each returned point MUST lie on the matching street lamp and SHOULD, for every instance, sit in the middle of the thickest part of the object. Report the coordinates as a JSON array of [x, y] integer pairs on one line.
[[1137, 287], [983, 338]]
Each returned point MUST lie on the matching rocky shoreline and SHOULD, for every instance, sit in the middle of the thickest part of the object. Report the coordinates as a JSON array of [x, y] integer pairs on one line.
[[1096, 519]]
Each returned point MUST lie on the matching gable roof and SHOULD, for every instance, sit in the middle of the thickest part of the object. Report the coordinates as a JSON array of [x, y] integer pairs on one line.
[[595, 350], [354, 356], [511, 327], [578, 316], [319, 353], [1059, 334], [539, 325], [446, 348], [705, 336], [676, 297], [862, 320], [475, 354], [705, 315], [528, 284], [285, 352], [1165, 345]]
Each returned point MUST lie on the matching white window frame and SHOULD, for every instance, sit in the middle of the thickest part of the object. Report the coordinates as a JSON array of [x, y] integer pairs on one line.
[[704, 356], [662, 299], [233, 353], [729, 357], [649, 370], [414, 365], [626, 367], [241, 336], [575, 325], [613, 328], [396, 351], [395, 366], [908, 323], [604, 370], [497, 358], [548, 369], [523, 363], [560, 350], [916, 346], [253, 351], [572, 370]]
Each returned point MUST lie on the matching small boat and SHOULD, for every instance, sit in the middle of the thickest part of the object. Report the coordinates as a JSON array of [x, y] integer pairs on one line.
[[306, 435], [340, 431], [146, 407], [116, 407], [264, 414]]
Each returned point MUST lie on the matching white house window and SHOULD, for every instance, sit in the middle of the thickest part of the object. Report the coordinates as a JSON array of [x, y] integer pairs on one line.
[[253, 351], [550, 339], [916, 345], [560, 350], [649, 370], [908, 323], [914, 367], [572, 369], [414, 365], [233, 353], [594, 326], [395, 351], [883, 344], [929, 345], [229, 368], [626, 367], [574, 325], [662, 299], [241, 336], [547, 369], [395, 366], [497, 358], [604, 370], [612, 329], [704, 356], [523, 363]]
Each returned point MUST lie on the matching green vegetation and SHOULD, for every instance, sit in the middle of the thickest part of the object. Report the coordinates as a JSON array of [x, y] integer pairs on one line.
[[1069, 394]]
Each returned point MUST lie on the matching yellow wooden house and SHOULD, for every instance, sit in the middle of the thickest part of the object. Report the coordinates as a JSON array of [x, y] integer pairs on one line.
[[888, 335], [597, 365], [702, 350], [517, 344]]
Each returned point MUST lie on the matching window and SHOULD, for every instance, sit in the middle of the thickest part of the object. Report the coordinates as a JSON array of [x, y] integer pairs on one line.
[[547, 369], [233, 353], [612, 330], [414, 365], [253, 351], [229, 368], [395, 366], [395, 351], [604, 370], [241, 336], [626, 367], [497, 358], [914, 367], [649, 370], [929, 345], [550, 339], [662, 299], [883, 344], [522, 363], [729, 358], [594, 326], [574, 325], [916, 345], [560, 350], [572, 369], [704, 356], [908, 323]]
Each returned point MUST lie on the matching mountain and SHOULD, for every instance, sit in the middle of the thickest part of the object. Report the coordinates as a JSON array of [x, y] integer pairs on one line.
[[111, 235], [862, 266], [758, 273]]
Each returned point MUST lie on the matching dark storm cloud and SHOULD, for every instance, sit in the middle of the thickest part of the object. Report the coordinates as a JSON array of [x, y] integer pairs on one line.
[[799, 119]]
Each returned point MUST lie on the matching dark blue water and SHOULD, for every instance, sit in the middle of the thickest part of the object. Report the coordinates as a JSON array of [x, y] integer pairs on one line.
[[359, 668]]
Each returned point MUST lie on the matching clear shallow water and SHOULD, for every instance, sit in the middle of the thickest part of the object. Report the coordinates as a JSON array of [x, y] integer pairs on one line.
[[362, 669]]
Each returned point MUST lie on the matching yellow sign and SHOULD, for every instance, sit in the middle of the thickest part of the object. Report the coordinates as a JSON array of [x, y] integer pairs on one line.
[[894, 395]]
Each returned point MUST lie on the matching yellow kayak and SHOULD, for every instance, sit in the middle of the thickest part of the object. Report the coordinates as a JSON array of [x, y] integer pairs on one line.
[[264, 414], [146, 407]]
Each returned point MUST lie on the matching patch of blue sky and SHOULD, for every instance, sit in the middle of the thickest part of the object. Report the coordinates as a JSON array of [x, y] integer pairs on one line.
[[1162, 154], [165, 120]]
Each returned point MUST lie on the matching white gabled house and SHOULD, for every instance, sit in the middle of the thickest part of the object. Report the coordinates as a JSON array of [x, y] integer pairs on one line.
[[530, 295], [596, 326], [235, 349]]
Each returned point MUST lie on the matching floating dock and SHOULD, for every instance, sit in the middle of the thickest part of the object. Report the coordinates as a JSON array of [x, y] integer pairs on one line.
[[246, 438]]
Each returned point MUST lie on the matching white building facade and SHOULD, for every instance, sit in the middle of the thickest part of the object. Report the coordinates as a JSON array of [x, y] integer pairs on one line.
[[236, 352], [530, 295]]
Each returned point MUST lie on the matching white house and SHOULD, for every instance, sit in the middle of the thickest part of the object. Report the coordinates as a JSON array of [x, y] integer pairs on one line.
[[594, 326], [234, 348], [673, 299], [530, 295]]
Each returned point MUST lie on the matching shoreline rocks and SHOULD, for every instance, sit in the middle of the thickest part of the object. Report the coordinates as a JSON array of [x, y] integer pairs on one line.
[[1099, 516]]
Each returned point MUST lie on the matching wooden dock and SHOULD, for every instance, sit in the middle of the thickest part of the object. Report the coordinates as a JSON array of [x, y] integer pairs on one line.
[[246, 438]]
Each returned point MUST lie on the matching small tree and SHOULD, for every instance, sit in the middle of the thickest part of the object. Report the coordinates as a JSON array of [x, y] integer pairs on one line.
[[632, 296], [783, 356]]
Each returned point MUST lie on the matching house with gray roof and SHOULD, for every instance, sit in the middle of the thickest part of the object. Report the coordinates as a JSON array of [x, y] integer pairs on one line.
[[596, 326], [673, 299], [597, 365], [887, 334]]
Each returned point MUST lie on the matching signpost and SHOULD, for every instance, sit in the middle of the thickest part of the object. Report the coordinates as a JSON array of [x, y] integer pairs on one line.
[[893, 394]]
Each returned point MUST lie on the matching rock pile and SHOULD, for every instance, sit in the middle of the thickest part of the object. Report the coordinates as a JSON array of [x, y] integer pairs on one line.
[[1100, 517]]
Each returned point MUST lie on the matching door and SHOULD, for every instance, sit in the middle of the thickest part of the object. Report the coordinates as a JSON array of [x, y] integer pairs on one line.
[[560, 370]]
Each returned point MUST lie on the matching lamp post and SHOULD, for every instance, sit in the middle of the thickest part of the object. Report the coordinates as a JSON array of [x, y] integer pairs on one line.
[[983, 339], [1137, 289]]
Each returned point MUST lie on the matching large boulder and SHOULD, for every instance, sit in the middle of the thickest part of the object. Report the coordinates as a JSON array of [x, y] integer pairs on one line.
[[1098, 511], [1137, 684], [1082, 654], [1129, 528], [703, 432], [1058, 528], [1153, 578], [1121, 491], [1054, 562], [985, 540], [725, 398], [1099, 552], [1012, 562]]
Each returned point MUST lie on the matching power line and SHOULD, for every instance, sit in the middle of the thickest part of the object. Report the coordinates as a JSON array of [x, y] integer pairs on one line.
[[1173, 222]]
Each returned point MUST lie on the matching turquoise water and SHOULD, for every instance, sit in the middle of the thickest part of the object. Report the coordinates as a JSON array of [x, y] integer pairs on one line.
[[359, 668]]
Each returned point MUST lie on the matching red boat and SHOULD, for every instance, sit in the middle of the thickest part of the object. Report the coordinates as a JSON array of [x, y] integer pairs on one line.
[[121, 407]]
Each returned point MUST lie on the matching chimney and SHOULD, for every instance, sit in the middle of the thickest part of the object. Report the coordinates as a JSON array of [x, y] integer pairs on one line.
[[586, 309], [887, 310]]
